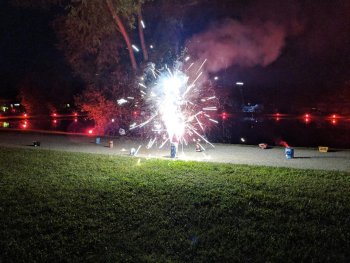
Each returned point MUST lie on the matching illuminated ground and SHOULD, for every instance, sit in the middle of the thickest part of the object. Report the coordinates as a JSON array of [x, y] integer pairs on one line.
[[305, 158]]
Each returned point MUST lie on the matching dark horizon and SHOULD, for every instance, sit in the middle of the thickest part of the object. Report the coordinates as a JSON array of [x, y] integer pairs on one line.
[[313, 61]]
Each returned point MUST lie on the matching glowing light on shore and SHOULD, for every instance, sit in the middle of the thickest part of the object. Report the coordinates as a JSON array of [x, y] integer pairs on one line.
[[24, 125]]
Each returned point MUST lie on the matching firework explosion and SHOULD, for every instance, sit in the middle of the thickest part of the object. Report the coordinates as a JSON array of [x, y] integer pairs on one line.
[[179, 104]]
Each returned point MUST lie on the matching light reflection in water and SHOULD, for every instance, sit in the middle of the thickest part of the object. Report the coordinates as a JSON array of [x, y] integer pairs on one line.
[[315, 129]]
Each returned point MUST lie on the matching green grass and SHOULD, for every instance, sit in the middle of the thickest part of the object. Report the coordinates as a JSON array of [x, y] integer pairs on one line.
[[58, 206]]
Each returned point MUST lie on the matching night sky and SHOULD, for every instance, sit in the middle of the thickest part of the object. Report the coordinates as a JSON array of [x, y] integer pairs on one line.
[[27, 47], [313, 56]]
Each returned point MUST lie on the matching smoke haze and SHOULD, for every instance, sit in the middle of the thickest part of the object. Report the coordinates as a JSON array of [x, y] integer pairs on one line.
[[231, 43]]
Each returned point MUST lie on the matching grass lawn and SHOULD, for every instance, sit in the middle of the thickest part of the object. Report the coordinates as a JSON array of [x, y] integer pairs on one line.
[[59, 206]]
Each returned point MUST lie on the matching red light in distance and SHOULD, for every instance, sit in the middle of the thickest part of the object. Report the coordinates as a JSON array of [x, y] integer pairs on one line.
[[224, 116], [90, 131], [335, 116]]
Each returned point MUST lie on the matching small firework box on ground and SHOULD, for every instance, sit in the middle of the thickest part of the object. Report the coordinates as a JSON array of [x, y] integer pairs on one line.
[[263, 145], [289, 152], [173, 150], [323, 149]]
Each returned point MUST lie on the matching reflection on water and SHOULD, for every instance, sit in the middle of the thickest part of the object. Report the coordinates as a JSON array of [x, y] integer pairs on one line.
[[72, 125], [307, 130]]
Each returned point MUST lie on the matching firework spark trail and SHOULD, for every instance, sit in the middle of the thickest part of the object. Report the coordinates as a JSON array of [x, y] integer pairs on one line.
[[200, 124], [190, 66], [179, 104], [201, 66], [200, 136], [161, 146], [143, 123]]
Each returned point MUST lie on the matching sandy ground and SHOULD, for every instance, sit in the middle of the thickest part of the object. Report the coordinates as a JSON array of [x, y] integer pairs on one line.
[[305, 158]]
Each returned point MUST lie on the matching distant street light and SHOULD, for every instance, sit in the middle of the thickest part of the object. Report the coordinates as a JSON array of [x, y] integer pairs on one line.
[[239, 83]]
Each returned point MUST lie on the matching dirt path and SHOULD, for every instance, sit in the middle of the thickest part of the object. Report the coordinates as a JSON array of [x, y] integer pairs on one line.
[[305, 158]]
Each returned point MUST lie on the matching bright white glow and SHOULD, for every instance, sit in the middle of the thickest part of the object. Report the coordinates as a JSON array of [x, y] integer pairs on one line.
[[176, 101], [239, 83], [151, 46], [143, 24], [216, 78], [170, 106], [242, 139], [187, 58], [135, 48]]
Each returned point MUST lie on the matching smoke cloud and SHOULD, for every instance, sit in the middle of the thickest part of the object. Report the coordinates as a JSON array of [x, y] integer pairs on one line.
[[231, 43]]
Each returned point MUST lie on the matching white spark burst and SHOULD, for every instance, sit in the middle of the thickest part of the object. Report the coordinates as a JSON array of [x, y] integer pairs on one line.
[[180, 104]]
